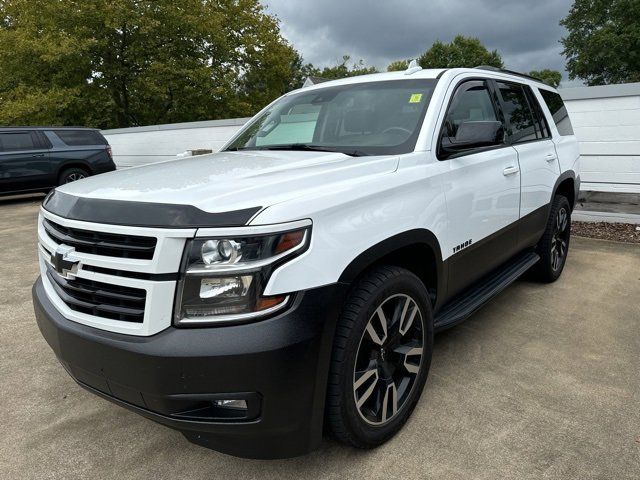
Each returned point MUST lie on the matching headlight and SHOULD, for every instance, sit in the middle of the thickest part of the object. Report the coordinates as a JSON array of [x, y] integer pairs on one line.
[[223, 279]]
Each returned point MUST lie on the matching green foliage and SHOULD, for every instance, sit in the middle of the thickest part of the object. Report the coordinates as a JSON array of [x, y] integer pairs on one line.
[[550, 77], [463, 52], [300, 72], [398, 66], [341, 70], [119, 63], [603, 44]]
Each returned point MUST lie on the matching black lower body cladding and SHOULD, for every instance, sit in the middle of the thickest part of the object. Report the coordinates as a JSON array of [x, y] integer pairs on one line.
[[278, 366]]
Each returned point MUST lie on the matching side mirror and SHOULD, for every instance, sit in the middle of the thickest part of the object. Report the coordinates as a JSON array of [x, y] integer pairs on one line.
[[474, 135]]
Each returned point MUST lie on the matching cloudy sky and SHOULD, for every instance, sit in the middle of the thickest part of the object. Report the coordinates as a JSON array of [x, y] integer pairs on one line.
[[525, 32]]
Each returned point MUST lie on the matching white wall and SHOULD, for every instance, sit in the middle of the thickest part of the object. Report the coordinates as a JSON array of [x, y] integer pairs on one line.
[[606, 121], [141, 145]]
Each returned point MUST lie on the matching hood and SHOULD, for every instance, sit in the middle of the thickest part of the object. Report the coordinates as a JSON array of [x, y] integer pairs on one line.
[[230, 181]]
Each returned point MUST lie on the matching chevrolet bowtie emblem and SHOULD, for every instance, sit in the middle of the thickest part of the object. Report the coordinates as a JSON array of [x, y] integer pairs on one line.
[[61, 262]]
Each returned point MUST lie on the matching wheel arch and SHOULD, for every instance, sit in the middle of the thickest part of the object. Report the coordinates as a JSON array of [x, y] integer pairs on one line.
[[567, 185], [416, 250], [74, 164]]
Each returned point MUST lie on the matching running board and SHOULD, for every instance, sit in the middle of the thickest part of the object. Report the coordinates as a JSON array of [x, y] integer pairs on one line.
[[461, 307]]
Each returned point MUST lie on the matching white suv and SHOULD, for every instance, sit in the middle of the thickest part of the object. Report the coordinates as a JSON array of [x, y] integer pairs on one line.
[[296, 278]]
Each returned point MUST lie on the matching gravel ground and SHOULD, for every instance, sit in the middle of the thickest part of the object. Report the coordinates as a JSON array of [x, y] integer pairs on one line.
[[618, 232]]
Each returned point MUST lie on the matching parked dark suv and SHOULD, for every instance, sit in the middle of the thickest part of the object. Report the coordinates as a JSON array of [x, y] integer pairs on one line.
[[34, 159]]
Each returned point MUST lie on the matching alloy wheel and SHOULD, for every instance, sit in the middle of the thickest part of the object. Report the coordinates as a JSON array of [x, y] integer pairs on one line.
[[560, 239], [72, 177], [388, 360]]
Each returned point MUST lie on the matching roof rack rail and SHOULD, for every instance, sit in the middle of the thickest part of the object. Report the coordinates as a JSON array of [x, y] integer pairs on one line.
[[510, 72]]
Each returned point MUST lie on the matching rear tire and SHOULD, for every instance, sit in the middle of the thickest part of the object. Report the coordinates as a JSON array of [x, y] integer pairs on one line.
[[553, 247], [71, 175], [380, 361]]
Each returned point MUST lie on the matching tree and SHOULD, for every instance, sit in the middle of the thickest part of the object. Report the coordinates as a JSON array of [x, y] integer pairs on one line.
[[301, 71], [461, 52], [603, 44], [398, 66], [550, 77], [344, 70], [119, 63]]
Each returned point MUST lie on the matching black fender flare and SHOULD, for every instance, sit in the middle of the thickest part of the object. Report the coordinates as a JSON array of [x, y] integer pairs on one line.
[[569, 174], [380, 250]]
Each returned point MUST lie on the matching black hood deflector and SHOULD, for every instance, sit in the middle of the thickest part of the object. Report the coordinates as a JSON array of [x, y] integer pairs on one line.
[[142, 214]]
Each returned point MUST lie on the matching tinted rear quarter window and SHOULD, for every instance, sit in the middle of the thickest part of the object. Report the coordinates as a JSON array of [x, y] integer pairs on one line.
[[16, 141], [76, 138], [520, 122], [541, 120], [558, 112]]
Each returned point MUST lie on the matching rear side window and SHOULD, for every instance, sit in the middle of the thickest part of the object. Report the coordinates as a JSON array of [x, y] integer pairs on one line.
[[558, 112], [16, 141], [521, 126], [541, 121], [75, 138]]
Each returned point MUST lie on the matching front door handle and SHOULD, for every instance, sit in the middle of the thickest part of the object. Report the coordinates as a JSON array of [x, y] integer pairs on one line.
[[36, 155], [510, 171], [550, 157]]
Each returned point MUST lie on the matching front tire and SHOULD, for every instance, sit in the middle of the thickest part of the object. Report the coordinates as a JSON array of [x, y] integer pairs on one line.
[[553, 248], [381, 357]]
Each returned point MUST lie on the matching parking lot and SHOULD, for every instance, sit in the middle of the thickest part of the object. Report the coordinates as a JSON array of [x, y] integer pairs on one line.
[[542, 383]]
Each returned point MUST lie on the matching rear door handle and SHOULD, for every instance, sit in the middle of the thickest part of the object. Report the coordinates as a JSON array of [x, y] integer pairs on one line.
[[35, 155], [550, 157], [510, 171]]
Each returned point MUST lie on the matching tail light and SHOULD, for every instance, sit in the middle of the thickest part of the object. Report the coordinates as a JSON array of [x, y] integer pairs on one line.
[[109, 152]]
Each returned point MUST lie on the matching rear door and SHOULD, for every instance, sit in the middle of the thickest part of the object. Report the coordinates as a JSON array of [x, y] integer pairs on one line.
[[482, 190], [528, 132], [24, 161], [83, 148], [562, 130]]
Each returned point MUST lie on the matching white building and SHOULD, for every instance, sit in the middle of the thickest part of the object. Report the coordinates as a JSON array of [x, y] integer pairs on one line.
[[156, 143], [606, 121]]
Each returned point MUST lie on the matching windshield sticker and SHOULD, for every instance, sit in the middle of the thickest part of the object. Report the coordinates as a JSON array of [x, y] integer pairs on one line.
[[415, 98]]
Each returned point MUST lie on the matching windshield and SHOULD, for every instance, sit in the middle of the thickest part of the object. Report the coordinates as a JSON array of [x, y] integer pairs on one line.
[[374, 118]]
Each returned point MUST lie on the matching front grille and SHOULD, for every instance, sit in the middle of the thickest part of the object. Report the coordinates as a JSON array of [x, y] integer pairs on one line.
[[101, 243], [100, 299]]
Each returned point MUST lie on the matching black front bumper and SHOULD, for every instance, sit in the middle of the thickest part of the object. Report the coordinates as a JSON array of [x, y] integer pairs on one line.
[[279, 365]]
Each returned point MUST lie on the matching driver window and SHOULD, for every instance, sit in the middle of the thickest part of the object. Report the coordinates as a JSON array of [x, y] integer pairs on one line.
[[471, 103], [471, 122]]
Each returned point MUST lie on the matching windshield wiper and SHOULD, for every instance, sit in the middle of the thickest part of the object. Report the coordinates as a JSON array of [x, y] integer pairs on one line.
[[305, 147], [237, 149]]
